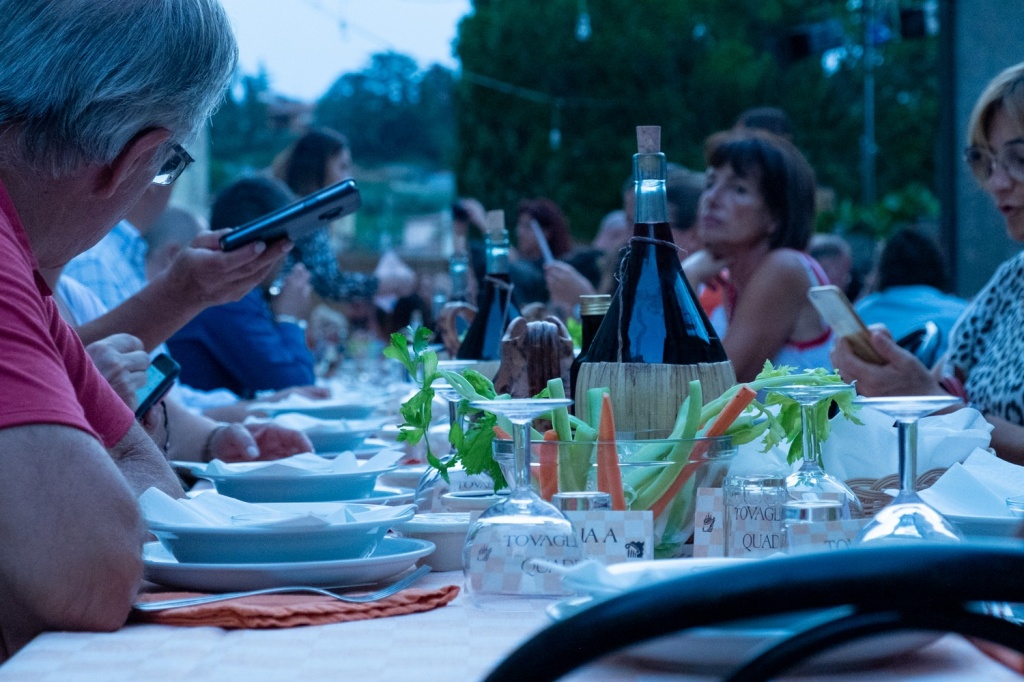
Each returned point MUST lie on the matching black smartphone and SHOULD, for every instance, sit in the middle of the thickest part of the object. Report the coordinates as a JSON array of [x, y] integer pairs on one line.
[[296, 220], [160, 376]]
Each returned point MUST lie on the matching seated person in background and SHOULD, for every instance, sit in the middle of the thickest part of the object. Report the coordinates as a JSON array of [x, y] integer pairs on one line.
[[320, 158], [771, 119], [572, 272], [259, 342], [682, 192], [909, 280], [73, 160], [185, 435], [756, 217], [835, 257], [171, 232], [614, 232]]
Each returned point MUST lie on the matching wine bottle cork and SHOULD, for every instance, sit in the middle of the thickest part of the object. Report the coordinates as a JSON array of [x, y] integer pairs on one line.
[[648, 139], [495, 221]]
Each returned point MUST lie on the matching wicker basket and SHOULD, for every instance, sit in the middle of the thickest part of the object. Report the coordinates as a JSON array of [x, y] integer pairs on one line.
[[871, 491]]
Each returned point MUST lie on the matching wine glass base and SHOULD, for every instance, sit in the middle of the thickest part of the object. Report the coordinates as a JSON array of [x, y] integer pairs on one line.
[[501, 546], [908, 522], [812, 482]]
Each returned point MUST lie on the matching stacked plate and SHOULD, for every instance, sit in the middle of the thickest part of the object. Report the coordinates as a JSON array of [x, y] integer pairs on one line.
[[214, 542], [305, 478]]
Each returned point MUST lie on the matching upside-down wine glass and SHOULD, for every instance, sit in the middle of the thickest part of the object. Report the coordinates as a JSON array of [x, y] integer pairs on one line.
[[431, 485], [908, 517], [497, 558], [810, 481]]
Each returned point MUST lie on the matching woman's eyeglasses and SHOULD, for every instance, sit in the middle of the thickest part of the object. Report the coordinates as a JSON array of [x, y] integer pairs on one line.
[[982, 160], [174, 166]]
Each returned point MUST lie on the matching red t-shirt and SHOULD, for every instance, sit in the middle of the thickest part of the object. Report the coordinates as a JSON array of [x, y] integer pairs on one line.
[[46, 376]]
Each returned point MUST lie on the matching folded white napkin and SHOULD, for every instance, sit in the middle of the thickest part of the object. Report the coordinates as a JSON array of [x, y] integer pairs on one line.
[[594, 578], [871, 450], [308, 424], [306, 464], [978, 487], [211, 510]]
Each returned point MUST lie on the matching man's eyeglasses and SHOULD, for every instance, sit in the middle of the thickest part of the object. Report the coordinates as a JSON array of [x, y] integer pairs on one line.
[[174, 166], [982, 161]]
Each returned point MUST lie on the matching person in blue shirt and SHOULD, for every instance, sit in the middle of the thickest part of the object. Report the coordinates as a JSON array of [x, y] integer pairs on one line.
[[259, 342], [910, 288]]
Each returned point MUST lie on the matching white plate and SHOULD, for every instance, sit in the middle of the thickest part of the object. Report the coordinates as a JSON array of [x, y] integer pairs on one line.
[[264, 544], [392, 556], [298, 487], [406, 476], [383, 494], [720, 649], [986, 526]]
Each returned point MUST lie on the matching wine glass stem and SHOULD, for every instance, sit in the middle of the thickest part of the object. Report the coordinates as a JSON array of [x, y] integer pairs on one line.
[[908, 455], [810, 436], [521, 440]]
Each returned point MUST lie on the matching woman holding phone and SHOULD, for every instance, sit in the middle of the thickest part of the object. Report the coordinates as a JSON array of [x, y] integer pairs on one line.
[[985, 361], [320, 158]]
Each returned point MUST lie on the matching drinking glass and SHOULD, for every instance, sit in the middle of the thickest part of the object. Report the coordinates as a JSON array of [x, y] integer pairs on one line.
[[908, 517], [810, 481], [503, 541], [431, 485]]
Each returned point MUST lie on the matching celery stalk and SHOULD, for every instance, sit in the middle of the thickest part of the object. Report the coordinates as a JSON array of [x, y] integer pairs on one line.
[[679, 455]]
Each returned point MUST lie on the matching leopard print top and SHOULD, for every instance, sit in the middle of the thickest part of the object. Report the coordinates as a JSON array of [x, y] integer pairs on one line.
[[987, 344]]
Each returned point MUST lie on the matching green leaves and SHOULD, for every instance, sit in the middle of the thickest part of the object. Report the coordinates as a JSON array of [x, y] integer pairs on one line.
[[421, 362]]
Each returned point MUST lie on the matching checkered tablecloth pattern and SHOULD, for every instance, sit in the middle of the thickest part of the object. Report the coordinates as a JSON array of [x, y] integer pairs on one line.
[[457, 643]]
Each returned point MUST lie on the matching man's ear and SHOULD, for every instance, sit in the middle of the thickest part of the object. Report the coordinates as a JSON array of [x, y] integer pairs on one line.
[[136, 155]]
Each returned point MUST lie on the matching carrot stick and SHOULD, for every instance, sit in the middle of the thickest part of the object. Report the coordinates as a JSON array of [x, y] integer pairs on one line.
[[501, 433], [726, 417], [547, 456], [609, 477]]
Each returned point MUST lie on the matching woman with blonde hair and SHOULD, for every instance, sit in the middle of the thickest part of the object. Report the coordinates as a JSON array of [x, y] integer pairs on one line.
[[985, 361]]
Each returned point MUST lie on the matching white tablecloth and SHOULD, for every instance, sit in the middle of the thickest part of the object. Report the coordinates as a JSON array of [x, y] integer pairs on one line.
[[452, 644]]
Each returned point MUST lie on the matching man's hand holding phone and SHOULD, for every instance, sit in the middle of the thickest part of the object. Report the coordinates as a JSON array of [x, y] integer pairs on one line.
[[204, 275]]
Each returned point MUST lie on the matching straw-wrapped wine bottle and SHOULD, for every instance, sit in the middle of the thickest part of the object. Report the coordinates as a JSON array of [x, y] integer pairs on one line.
[[495, 306], [655, 338]]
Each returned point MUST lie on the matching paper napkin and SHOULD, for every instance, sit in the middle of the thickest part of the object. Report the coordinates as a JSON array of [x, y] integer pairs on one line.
[[306, 423], [218, 511], [978, 487], [871, 450], [304, 465]]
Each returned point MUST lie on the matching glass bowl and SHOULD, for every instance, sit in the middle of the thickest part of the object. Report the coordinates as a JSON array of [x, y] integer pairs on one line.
[[645, 459]]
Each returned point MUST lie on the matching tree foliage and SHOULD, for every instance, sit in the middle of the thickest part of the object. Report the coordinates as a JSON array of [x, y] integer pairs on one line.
[[390, 111], [690, 66]]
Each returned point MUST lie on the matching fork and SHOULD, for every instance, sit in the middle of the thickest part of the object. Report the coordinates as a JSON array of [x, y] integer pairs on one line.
[[391, 589]]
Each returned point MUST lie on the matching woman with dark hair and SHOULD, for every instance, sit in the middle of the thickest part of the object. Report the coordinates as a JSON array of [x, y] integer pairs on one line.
[[756, 217], [319, 159]]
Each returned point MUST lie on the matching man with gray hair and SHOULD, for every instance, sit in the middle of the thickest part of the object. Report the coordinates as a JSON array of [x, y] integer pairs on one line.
[[98, 99]]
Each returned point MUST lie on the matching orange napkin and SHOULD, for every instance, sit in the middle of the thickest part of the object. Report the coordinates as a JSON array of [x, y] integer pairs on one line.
[[289, 610]]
